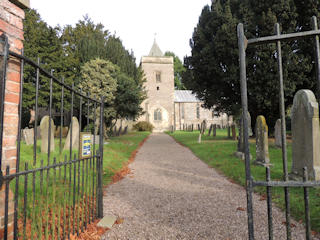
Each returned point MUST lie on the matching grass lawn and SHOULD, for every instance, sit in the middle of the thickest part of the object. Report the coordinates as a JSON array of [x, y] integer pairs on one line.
[[218, 152], [61, 192]]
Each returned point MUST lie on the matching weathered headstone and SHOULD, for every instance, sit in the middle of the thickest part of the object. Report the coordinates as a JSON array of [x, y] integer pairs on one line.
[[240, 147], [214, 130], [75, 135], [28, 136], [125, 131], [44, 132], [277, 134], [210, 129], [305, 135], [234, 133], [262, 145]]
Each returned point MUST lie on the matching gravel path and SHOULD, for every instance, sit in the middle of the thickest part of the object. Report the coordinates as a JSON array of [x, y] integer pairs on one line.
[[174, 195]]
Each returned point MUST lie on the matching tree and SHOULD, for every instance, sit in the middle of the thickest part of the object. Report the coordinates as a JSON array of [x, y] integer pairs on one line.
[[213, 68], [41, 41], [99, 77], [179, 69]]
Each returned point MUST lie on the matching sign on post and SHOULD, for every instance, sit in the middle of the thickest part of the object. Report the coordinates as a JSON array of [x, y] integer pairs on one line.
[[85, 145]]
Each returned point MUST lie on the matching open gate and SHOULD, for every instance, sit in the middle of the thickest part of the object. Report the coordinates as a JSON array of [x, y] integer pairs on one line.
[[243, 43], [58, 193]]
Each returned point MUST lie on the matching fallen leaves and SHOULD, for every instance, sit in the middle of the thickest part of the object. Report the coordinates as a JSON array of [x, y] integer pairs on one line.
[[241, 209]]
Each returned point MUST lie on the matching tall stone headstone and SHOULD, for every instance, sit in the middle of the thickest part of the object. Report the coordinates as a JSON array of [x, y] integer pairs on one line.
[[28, 136], [277, 134], [44, 132], [75, 135], [305, 135], [262, 145]]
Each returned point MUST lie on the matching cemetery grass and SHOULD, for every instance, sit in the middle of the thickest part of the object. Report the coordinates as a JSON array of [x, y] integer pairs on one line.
[[54, 197], [218, 152]]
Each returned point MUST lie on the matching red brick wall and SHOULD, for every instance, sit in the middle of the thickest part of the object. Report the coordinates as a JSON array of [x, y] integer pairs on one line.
[[11, 23]]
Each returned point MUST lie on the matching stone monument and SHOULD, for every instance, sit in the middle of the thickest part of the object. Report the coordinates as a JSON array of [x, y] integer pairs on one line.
[[277, 134], [262, 145], [305, 135], [44, 132], [75, 135]]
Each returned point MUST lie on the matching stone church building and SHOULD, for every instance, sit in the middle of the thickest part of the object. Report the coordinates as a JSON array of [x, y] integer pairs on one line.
[[166, 107]]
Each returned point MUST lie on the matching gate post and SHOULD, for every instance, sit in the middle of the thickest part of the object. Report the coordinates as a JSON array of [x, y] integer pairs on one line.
[[100, 163], [11, 29], [242, 43]]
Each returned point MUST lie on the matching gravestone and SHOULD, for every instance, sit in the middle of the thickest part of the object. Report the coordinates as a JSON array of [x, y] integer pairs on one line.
[[28, 136], [214, 130], [44, 132], [277, 134], [210, 129], [240, 147], [262, 145], [75, 135], [234, 133], [119, 131], [125, 131], [305, 135]]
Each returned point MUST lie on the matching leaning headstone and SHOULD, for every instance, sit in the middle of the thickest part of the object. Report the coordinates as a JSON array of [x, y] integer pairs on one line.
[[44, 131], [234, 133], [28, 136], [214, 130], [262, 145], [277, 134], [305, 135], [75, 135]]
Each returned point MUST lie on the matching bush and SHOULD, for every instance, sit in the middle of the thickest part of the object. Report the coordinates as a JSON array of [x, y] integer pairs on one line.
[[143, 126]]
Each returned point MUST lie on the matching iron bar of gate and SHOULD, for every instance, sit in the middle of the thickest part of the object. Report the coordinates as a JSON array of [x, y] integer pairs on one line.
[[306, 204], [269, 204], [3, 73], [283, 131], [244, 100], [15, 224], [36, 117], [100, 163]]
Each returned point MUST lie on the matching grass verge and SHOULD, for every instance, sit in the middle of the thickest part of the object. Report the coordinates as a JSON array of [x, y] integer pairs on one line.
[[218, 152]]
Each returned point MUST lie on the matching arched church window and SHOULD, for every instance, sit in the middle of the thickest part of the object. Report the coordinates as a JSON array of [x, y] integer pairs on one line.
[[158, 77], [157, 115]]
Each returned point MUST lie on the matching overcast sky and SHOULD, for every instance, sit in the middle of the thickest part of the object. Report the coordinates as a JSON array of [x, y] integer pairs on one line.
[[134, 21]]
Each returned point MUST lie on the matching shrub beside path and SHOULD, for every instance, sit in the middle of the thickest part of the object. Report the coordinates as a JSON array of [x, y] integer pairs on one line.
[[171, 194]]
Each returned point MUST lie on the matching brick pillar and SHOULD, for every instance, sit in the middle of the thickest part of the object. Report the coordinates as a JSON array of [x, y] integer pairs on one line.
[[11, 23]]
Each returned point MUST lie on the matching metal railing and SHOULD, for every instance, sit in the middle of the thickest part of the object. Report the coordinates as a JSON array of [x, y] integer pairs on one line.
[[57, 193], [243, 43]]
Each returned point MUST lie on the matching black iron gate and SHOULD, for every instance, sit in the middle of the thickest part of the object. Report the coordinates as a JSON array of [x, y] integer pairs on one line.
[[269, 183], [58, 193]]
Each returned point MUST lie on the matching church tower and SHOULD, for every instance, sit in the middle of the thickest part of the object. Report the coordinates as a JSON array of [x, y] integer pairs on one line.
[[159, 74]]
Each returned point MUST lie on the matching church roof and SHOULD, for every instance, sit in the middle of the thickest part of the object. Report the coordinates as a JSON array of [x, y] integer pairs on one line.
[[155, 50], [185, 96]]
